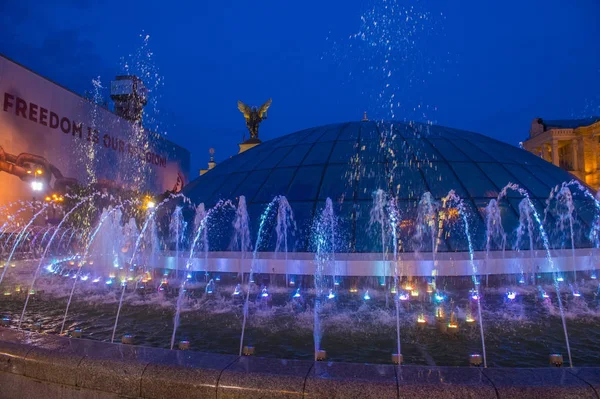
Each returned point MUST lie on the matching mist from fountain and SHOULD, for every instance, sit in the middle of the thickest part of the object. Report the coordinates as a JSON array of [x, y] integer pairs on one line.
[[378, 217], [549, 259], [285, 227], [452, 197], [201, 220], [151, 212], [113, 234], [18, 240], [263, 220], [324, 235], [39, 267], [494, 232], [241, 233]]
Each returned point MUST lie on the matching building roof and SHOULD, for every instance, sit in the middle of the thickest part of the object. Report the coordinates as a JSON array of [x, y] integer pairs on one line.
[[570, 123], [347, 163]]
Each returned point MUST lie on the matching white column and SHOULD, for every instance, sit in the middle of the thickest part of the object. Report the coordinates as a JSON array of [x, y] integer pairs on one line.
[[575, 149], [555, 159]]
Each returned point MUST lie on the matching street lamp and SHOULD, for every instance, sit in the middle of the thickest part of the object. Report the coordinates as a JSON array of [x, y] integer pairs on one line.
[[37, 185]]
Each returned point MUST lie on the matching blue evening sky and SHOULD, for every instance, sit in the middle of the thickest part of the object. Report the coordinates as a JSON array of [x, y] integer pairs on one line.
[[485, 66]]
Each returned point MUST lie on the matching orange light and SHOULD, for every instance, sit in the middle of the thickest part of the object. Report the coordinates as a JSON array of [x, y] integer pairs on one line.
[[28, 172], [39, 172], [48, 199], [353, 290]]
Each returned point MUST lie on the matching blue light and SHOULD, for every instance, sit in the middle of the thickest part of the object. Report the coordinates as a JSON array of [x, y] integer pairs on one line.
[[576, 294], [50, 268], [474, 295], [189, 275], [331, 295], [297, 294], [522, 280], [366, 297], [511, 295], [593, 276], [544, 295], [96, 280], [237, 291], [218, 278], [560, 279], [404, 297], [264, 293], [109, 282], [439, 297], [84, 278]]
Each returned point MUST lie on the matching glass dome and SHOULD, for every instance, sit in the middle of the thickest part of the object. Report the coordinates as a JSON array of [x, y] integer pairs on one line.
[[348, 162]]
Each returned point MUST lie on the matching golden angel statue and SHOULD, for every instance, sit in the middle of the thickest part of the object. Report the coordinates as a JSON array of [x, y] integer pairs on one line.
[[254, 116]]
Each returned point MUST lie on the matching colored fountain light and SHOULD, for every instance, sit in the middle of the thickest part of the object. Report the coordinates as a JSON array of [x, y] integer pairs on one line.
[[297, 293], [469, 318], [292, 282], [353, 290], [474, 295], [414, 293], [560, 279], [439, 297], [366, 296], [264, 293], [593, 276], [96, 280], [545, 295], [237, 290], [109, 282], [403, 296], [331, 295], [511, 295], [421, 319], [189, 275], [576, 294]]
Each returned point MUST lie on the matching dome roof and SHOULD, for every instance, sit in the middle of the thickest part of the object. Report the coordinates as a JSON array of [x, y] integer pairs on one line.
[[347, 162]]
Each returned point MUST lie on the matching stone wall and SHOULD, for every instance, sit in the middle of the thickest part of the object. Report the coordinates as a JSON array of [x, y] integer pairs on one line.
[[42, 366]]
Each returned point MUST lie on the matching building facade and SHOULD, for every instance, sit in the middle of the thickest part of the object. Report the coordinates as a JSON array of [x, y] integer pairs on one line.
[[572, 145], [50, 138]]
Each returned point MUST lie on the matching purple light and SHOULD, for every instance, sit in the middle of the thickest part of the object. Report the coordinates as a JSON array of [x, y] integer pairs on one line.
[[404, 296]]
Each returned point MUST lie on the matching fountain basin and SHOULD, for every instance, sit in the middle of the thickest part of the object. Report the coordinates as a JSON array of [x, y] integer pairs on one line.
[[38, 365]]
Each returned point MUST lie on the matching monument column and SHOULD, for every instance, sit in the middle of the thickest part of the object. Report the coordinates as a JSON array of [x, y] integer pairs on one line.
[[575, 152], [555, 159], [545, 154]]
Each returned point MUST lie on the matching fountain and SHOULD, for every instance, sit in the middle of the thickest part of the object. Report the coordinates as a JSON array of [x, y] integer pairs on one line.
[[321, 272]]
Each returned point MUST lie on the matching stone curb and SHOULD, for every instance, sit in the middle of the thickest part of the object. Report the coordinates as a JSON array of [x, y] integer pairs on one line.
[[39, 365]]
